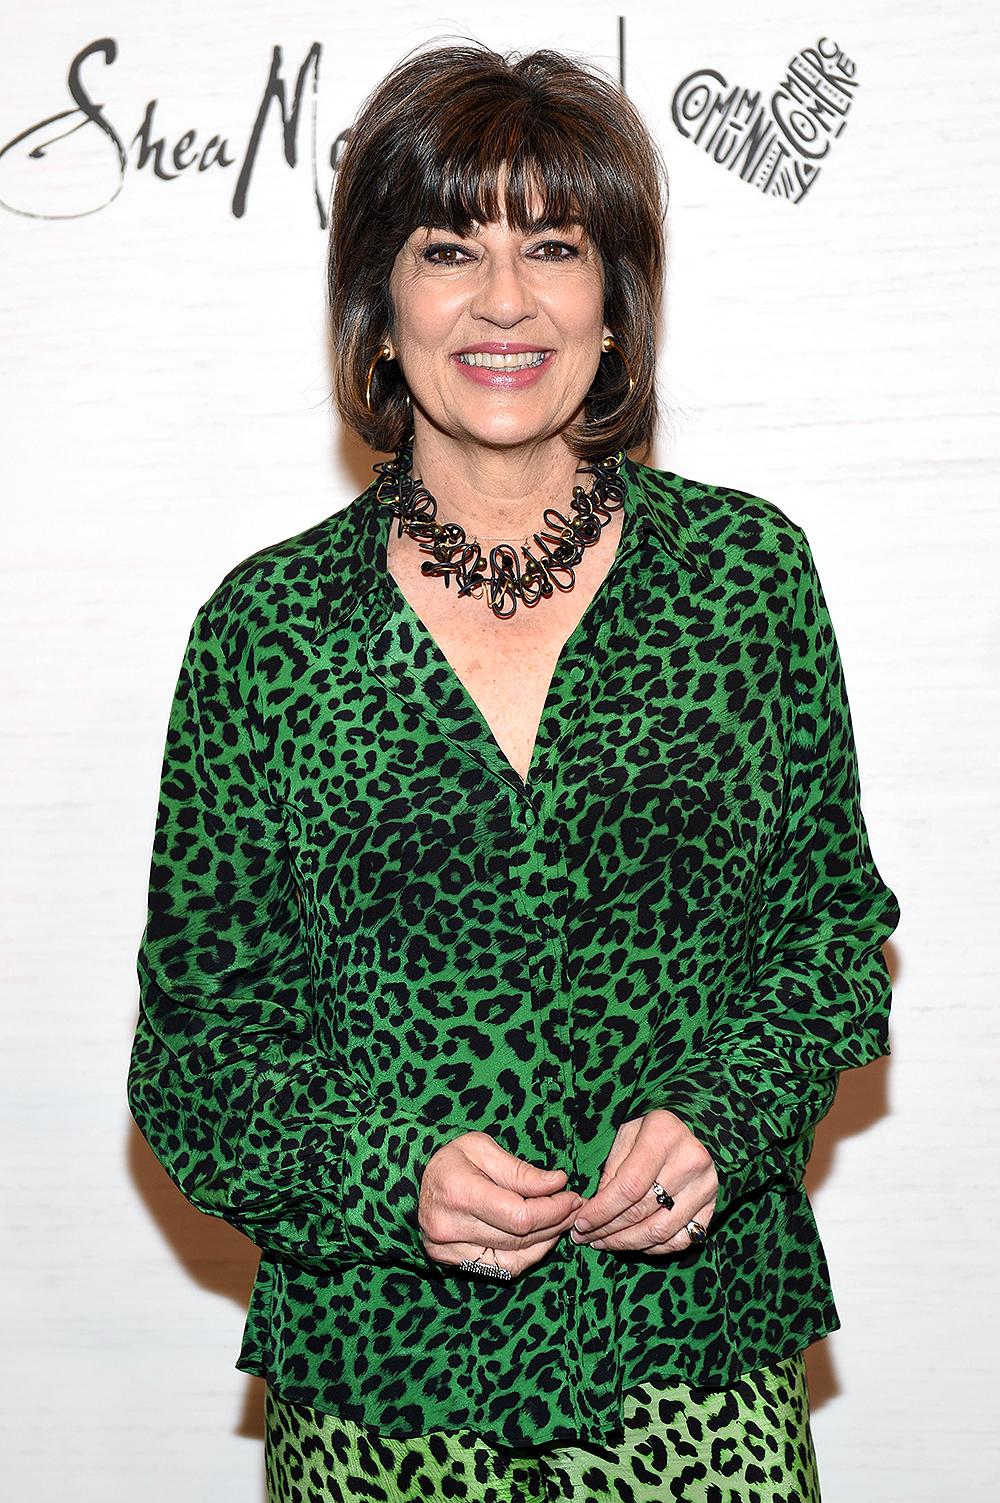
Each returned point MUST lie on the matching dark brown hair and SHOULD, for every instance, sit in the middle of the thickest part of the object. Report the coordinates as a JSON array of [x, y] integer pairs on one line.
[[431, 146]]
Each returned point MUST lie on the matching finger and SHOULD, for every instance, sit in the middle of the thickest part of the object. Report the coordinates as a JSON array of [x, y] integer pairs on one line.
[[632, 1216], [451, 1254], [620, 1149], [489, 1210], [507, 1170], [616, 1197], [497, 1179], [656, 1226], [624, 1189], [641, 1235], [661, 1149], [635, 1215], [467, 1205], [692, 1182], [683, 1241]]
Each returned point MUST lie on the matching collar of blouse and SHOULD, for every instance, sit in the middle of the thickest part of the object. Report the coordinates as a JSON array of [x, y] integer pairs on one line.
[[351, 574]]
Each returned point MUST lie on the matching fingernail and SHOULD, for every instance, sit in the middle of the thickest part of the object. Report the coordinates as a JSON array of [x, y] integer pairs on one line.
[[573, 1237], [582, 1225], [598, 1243]]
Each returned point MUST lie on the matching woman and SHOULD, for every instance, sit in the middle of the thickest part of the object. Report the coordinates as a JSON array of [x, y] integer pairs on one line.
[[512, 913]]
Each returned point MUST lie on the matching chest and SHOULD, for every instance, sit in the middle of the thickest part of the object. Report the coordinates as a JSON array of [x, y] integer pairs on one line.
[[656, 780], [657, 730], [505, 665]]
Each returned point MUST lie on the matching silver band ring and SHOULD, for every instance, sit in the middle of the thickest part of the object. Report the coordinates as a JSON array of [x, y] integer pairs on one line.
[[662, 1198], [697, 1233], [494, 1270]]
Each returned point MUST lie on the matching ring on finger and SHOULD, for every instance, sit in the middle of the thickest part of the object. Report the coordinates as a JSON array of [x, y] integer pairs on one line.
[[494, 1270], [697, 1233], [662, 1198]]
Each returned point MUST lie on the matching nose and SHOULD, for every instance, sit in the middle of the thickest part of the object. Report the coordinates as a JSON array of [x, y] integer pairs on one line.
[[503, 295]]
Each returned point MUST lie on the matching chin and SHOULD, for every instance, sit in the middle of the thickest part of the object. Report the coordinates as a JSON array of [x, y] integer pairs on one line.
[[509, 430]]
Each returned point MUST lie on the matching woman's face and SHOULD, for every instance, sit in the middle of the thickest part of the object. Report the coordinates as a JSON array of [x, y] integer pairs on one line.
[[498, 334]]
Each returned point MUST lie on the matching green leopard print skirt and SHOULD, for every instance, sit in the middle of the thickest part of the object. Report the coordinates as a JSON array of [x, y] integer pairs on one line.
[[746, 1444]]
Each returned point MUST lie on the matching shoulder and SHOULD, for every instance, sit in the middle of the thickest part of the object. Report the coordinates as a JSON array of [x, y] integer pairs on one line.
[[294, 582], [718, 527]]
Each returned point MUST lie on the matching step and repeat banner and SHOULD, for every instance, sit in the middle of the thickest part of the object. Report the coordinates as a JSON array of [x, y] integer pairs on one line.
[[165, 173]]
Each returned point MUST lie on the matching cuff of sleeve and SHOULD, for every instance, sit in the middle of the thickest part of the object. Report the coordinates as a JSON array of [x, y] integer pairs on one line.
[[383, 1165], [748, 1148]]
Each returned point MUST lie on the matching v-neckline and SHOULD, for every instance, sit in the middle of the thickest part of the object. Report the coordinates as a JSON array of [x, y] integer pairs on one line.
[[401, 607]]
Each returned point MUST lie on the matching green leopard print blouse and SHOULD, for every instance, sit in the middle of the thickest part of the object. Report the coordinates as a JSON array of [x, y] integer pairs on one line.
[[366, 936]]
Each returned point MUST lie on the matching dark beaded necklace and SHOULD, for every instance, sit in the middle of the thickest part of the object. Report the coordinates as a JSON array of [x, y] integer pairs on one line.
[[559, 544]]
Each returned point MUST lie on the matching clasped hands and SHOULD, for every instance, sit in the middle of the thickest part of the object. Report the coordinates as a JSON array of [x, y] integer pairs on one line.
[[475, 1195]]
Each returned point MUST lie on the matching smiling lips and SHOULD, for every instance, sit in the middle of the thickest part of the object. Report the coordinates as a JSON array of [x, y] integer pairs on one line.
[[502, 365], [487, 361]]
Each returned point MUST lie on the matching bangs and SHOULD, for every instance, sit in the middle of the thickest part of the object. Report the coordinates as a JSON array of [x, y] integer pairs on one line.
[[515, 170], [470, 139]]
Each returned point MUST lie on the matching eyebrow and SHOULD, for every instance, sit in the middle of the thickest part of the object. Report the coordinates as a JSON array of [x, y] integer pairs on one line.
[[537, 227]]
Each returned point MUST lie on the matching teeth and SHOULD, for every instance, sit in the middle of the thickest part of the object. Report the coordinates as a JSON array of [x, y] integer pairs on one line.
[[504, 362]]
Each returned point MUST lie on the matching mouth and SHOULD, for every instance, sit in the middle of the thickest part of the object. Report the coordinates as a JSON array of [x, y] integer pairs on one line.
[[506, 360], [502, 365]]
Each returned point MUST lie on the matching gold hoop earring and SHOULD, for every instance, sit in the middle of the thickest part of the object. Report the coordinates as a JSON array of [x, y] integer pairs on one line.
[[609, 343], [383, 353]]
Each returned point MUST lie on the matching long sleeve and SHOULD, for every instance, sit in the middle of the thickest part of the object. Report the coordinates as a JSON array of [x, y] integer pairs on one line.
[[818, 1003], [250, 1118]]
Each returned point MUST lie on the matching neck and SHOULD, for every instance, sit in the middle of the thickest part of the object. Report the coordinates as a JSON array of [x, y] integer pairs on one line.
[[497, 492]]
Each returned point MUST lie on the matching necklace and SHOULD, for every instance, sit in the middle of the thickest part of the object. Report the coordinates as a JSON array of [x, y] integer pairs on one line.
[[559, 543]]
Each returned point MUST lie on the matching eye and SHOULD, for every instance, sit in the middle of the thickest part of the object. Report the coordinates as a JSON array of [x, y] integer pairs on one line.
[[446, 255], [555, 250]]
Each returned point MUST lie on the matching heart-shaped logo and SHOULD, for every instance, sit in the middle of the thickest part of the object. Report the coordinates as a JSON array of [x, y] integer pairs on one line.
[[775, 146]]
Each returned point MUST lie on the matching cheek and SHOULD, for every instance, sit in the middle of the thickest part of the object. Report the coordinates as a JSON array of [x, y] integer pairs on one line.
[[423, 318], [581, 322], [580, 313]]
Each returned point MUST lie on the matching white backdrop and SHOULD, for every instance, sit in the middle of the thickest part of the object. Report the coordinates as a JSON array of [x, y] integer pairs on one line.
[[164, 412]]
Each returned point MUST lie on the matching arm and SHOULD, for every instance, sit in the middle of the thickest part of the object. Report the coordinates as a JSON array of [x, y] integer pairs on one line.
[[250, 1118], [820, 996]]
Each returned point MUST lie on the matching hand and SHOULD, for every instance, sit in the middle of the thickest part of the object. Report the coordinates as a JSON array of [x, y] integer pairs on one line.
[[623, 1215], [476, 1195]]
